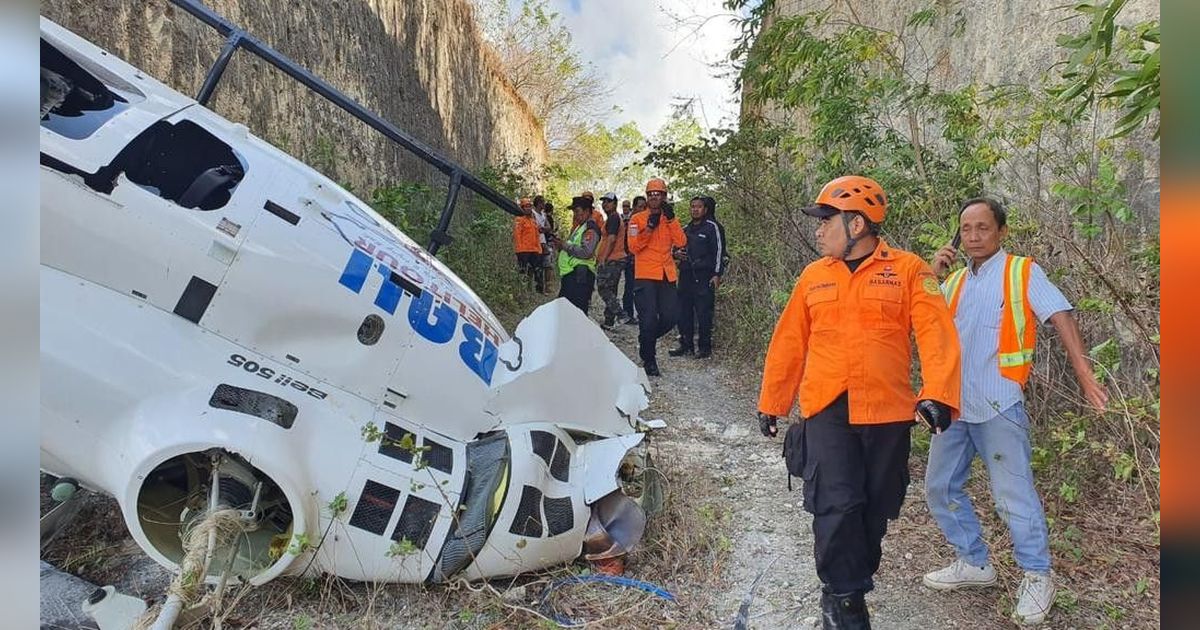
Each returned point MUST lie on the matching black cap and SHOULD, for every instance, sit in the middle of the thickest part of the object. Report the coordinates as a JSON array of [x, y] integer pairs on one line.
[[820, 211], [584, 203]]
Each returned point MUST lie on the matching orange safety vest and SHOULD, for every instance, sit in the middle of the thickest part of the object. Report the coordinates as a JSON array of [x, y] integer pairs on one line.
[[616, 241], [1018, 326]]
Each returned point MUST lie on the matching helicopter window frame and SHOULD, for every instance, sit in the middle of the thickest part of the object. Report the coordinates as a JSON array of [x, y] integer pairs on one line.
[[182, 162], [78, 98]]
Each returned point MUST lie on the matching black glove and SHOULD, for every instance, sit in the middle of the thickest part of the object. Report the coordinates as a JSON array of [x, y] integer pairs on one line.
[[767, 425], [669, 210], [935, 413], [652, 222]]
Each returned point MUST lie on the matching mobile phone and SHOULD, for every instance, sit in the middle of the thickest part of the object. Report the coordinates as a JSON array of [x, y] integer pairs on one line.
[[957, 239]]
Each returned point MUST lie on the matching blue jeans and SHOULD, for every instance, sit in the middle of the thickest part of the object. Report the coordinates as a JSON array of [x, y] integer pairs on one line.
[[1003, 443]]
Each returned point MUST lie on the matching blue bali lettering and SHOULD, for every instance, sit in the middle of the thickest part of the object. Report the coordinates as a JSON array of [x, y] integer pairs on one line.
[[354, 276], [478, 353], [442, 330], [389, 294]]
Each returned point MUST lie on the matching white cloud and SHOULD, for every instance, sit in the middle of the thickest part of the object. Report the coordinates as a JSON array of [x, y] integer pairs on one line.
[[651, 58]]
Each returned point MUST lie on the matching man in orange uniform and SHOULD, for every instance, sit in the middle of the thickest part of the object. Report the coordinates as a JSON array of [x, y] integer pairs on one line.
[[842, 344], [527, 243], [652, 235]]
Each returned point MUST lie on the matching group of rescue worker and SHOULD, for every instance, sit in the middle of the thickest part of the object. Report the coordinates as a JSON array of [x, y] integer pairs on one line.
[[671, 272], [842, 347]]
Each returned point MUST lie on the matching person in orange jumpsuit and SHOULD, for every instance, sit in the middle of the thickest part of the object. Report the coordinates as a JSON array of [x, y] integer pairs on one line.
[[653, 234], [842, 345]]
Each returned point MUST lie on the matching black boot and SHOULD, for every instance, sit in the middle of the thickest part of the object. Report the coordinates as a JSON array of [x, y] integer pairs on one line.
[[652, 369], [845, 611], [681, 350], [704, 353]]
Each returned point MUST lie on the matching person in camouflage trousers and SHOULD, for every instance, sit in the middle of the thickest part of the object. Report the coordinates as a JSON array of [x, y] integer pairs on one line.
[[610, 260]]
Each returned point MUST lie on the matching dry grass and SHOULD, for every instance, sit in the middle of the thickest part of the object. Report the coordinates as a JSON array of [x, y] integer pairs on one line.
[[1104, 553]]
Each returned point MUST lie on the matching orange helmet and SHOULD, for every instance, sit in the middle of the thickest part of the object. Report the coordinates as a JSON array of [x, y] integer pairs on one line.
[[656, 184], [851, 193]]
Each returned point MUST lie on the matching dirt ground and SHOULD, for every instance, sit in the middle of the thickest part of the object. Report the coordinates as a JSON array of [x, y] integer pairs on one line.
[[730, 518]]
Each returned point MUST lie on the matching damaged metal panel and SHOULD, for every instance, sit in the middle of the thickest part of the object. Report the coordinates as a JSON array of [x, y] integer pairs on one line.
[[569, 373]]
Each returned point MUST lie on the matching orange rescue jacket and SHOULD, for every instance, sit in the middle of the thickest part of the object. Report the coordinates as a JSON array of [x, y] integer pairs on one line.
[[651, 248], [850, 332], [525, 236], [615, 241]]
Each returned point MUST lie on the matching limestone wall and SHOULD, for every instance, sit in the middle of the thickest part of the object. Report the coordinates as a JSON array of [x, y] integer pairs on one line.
[[423, 64]]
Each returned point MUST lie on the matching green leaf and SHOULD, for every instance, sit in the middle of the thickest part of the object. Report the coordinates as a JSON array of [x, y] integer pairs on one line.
[[922, 18], [1073, 91]]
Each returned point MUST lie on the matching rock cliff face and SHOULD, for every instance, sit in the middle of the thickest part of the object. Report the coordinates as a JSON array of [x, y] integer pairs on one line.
[[422, 64], [981, 41], [984, 42]]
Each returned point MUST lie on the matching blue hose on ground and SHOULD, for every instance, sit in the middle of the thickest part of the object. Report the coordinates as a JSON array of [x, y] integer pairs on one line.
[[567, 622]]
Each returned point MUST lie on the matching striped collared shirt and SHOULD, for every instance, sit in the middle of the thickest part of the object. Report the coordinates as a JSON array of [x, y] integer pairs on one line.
[[984, 392]]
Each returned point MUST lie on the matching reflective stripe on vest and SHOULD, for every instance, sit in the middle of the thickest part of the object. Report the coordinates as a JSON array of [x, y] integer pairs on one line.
[[1018, 330], [566, 262]]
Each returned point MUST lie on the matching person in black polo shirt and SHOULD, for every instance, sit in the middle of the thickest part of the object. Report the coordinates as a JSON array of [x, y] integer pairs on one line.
[[701, 265]]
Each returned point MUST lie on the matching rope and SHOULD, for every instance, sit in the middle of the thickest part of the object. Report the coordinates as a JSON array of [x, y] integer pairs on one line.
[[567, 622], [213, 531]]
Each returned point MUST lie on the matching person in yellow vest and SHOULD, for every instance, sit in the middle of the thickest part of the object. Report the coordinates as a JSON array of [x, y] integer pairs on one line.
[[577, 256], [596, 215], [997, 301]]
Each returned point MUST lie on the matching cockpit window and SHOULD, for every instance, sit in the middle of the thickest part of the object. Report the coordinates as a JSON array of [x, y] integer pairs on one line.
[[180, 162], [74, 102], [184, 163]]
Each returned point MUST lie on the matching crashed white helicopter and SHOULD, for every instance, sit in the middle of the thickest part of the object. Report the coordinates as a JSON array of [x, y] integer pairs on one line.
[[224, 327]]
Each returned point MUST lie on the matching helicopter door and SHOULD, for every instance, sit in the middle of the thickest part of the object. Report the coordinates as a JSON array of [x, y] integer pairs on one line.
[[162, 221]]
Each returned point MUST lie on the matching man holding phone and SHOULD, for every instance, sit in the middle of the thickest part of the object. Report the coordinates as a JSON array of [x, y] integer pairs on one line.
[[652, 236], [995, 300]]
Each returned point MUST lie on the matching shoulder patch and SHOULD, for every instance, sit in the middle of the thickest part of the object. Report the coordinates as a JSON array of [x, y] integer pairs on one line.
[[931, 286]]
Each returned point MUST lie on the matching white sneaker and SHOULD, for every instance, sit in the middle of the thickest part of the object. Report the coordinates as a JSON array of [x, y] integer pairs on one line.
[[960, 574], [1035, 598]]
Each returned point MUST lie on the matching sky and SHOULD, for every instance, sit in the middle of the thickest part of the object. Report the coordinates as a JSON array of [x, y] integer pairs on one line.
[[651, 58]]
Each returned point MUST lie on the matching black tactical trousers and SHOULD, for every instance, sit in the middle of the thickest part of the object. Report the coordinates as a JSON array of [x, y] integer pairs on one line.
[[855, 477], [627, 295], [696, 302], [531, 265], [577, 287], [657, 311]]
